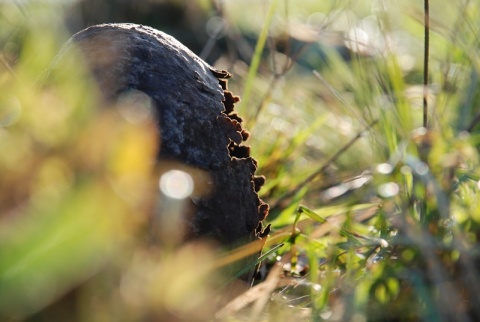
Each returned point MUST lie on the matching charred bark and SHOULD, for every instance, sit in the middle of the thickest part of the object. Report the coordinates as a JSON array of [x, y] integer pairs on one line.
[[196, 121]]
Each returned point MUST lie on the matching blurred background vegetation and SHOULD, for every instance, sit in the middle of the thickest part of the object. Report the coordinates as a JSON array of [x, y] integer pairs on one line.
[[377, 216]]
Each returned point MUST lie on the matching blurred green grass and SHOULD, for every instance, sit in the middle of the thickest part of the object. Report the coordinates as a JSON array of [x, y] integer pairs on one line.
[[390, 225]]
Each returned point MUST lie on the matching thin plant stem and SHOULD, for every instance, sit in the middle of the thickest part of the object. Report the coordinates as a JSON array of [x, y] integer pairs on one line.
[[252, 72], [425, 63]]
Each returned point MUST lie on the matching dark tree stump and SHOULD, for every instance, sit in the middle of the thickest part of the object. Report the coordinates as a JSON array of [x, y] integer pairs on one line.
[[197, 124]]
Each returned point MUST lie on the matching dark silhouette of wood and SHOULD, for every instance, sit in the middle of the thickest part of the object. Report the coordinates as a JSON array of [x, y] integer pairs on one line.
[[197, 123]]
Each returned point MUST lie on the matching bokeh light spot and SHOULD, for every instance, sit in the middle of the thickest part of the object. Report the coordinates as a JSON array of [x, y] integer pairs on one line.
[[176, 184], [384, 168], [388, 190], [421, 169], [135, 106]]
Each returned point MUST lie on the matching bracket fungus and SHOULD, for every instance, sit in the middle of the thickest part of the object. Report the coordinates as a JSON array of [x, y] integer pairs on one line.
[[197, 124]]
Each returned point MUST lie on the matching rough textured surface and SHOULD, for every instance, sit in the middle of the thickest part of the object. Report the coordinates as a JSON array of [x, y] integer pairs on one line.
[[196, 120]]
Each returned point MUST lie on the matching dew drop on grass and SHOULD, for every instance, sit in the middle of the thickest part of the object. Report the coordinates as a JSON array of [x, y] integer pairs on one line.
[[316, 287], [383, 243]]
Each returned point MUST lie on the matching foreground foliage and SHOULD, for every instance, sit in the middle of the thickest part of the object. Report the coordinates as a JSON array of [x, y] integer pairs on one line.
[[374, 217]]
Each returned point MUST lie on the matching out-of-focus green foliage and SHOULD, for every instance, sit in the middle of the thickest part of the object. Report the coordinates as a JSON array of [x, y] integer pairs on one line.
[[416, 241], [77, 183], [379, 220]]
